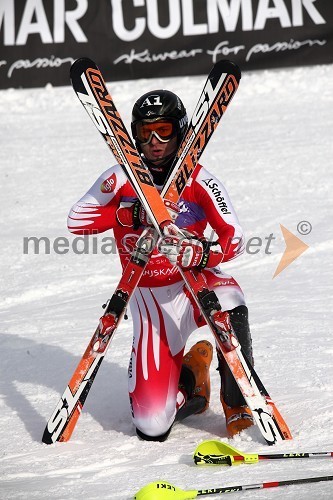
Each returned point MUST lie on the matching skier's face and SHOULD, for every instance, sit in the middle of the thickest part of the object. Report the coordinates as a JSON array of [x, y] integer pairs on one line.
[[156, 150]]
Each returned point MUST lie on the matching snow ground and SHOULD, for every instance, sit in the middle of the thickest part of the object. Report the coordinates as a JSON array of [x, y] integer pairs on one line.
[[274, 151]]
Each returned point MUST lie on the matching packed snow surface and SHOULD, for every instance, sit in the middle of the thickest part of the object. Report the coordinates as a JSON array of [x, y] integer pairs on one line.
[[273, 150]]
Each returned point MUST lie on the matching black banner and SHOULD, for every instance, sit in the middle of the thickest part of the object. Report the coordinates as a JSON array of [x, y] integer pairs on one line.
[[132, 39]]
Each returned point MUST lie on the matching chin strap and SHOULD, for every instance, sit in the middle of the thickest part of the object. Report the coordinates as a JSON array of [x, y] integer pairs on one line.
[[159, 172]]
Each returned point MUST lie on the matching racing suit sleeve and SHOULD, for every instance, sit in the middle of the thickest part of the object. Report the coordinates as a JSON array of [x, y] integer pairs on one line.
[[95, 212], [214, 199]]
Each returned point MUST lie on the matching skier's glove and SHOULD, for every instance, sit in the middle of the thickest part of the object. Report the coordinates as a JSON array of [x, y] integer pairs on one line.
[[133, 215], [190, 251], [136, 216]]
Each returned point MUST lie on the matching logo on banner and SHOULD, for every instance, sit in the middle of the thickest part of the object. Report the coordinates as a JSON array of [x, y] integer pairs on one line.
[[34, 20], [250, 15]]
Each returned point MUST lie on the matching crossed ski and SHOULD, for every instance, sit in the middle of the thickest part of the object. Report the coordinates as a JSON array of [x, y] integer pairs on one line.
[[218, 91]]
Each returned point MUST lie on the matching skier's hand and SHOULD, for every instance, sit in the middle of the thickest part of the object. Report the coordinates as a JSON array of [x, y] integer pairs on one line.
[[182, 251], [136, 216], [133, 215], [188, 250]]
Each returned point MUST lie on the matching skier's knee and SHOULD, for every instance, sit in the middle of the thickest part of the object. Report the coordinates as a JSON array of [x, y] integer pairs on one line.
[[155, 427], [230, 297], [146, 437]]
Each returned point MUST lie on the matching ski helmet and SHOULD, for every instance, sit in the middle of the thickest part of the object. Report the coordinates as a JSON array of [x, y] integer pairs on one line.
[[159, 104]]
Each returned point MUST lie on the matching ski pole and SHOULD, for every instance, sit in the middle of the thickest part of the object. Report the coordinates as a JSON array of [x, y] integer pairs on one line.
[[162, 490], [214, 452]]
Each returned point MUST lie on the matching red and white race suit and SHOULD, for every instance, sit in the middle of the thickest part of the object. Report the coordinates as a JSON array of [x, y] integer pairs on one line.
[[164, 314]]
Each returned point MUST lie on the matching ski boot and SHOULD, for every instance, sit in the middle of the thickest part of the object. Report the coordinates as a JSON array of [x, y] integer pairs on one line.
[[238, 418], [195, 379]]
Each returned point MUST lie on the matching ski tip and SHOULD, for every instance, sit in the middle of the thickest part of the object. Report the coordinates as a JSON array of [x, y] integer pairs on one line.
[[80, 65], [228, 66], [83, 61], [47, 437]]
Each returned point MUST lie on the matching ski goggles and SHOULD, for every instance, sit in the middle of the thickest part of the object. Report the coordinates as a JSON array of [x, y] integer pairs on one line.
[[163, 130]]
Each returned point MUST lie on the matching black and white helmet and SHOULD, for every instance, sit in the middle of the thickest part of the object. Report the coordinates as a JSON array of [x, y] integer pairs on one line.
[[159, 104]]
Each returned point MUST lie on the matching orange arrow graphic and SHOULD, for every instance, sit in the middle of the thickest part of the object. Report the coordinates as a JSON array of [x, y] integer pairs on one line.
[[294, 248]]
